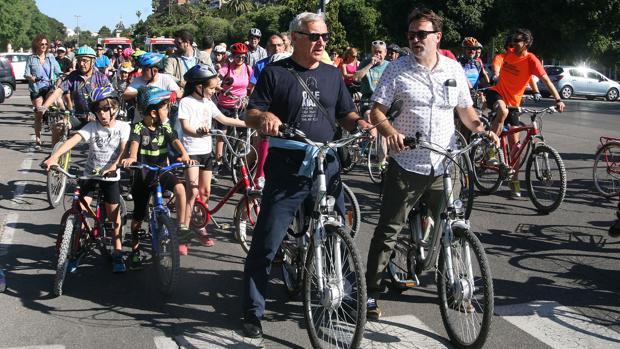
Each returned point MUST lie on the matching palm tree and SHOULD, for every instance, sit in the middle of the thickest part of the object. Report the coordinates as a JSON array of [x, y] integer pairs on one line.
[[139, 14], [237, 7]]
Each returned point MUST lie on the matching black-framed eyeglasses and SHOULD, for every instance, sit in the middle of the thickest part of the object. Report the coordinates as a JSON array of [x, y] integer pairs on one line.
[[420, 34], [315, 36]]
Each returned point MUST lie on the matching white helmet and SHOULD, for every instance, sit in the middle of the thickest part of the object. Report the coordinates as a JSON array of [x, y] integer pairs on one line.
[[255, 32]]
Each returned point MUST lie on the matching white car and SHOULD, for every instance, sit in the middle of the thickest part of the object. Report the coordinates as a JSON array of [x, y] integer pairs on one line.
[[18, 60]]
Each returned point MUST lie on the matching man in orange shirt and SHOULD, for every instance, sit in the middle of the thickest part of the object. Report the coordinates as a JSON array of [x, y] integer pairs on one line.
[[517, 68]]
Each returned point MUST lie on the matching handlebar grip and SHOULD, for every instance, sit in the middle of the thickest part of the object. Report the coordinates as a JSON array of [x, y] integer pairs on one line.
[[410, 142]]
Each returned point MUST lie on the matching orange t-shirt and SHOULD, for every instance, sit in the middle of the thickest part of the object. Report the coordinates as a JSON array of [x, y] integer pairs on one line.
[[498, 60], [515, 74]]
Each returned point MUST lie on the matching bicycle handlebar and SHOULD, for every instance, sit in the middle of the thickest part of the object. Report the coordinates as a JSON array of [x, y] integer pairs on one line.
[[140, 166], [418, 141], [288, 131], [221, 134]]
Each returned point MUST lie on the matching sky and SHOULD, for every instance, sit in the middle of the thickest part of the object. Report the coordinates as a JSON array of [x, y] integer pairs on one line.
[[95, 14]]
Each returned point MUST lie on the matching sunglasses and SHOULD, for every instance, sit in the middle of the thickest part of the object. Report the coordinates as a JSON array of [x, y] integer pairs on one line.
[[315, 36], [378, 43], [44, 44], [99, 49], [240, 56], [104, 109], [420, 34], [517, 40]]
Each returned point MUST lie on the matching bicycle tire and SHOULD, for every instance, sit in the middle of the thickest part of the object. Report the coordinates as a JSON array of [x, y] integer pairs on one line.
[[453, 300], [166, 257], [293, 258], [347, 312], [605, 157], [375, 170], [200, 216], [398, 267], [353, 215], [56, 181], [64, 253], [244, 227], [487, 178], [463, 173], [545, 178], [240, 148]]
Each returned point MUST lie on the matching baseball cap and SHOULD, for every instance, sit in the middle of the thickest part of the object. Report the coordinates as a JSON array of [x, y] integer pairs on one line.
[[394, 48]]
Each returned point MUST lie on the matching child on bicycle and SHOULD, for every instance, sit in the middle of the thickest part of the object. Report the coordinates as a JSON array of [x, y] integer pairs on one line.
[[106, 138], [148, 144], [196, 114]]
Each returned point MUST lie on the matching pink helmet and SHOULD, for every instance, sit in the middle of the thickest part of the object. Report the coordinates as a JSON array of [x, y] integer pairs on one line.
[[128, 52]]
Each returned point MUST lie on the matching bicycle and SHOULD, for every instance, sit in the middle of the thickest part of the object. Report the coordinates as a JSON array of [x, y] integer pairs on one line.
[[162, 231], [544, 170], [58, 120], [324, 263], [606, 169], [79, 236], [464, 285]]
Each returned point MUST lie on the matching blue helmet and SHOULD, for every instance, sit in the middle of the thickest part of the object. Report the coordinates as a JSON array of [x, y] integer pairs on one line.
[[85, 51], [151, 59], [101, 93], [150, 96]]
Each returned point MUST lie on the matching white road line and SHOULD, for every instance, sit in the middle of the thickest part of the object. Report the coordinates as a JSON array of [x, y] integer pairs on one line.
[[558, 326], [405, 331], [6, 235], [216, 338], [55, 346], [162, 342]]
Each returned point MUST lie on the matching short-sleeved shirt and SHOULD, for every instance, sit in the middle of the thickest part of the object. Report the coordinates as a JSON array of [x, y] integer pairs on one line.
[[255, 56], [199, 114], [80, 89], [104, 146], [428, 106], [164, 81], [472, 68], [515, 74], [257, 69], [371, 79], [240, 85], [279, 92], [102, 62], [153, 143]]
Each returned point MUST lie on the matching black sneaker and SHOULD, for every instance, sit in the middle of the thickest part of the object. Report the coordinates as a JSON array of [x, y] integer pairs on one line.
[[135, 261], [373, 312], [614, 230], [252, 327]]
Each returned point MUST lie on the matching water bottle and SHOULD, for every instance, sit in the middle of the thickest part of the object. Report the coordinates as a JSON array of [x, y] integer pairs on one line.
[[2, 281]]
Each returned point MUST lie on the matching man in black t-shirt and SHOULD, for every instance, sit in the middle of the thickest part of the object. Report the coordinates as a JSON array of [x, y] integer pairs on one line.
[[279, 98]]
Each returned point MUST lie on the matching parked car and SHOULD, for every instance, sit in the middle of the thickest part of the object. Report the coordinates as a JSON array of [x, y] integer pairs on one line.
[[18, 60], [7, 78], [580, 81]]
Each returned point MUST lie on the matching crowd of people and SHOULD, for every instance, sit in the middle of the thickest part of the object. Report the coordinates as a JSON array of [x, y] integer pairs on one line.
[[180, 96]]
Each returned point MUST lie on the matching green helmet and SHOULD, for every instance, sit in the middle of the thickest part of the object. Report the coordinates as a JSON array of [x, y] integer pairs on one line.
[[137, 54], [85, 51]]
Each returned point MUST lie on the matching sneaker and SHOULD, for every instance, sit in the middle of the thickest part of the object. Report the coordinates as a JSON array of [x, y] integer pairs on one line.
[[204, 238], [183, 251], [492, 157], [118, 265], [135, 261], [373, 312], [252, 327], [614, 230], [515, 189]]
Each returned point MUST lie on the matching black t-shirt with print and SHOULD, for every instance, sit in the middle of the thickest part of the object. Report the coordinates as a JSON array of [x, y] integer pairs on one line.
[[279, 92], [153, 143]]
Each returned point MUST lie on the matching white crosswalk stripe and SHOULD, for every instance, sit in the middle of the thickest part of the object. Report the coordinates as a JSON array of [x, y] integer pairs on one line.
[[558, 326]]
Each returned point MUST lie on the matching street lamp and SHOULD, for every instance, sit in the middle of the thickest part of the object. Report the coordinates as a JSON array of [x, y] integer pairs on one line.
[[77, 28]]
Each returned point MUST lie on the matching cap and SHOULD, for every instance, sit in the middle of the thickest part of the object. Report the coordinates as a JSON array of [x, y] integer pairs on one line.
[[393, 47], [61, 49]]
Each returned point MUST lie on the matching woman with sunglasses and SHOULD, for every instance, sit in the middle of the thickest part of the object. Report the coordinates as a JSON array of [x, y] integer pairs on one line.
[[349, 66], [42, 69]]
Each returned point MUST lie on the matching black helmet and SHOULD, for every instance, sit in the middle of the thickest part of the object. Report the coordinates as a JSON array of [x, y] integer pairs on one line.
[[199, 73]]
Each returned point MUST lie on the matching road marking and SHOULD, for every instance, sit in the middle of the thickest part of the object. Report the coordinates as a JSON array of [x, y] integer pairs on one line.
[[558, 326], [215, 338], [162, 342], [404, 331], [55, 346], [6, 234]]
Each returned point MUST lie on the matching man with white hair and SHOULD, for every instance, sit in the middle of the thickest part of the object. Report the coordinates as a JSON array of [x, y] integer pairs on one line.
[[278, 98]]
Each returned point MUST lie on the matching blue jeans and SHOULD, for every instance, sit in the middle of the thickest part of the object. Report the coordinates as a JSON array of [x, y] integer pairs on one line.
[[283, 194]]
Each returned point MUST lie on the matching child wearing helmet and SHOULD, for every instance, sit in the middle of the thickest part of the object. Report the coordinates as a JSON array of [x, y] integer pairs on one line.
[[106, 138], [196, 114], [148, 144], [472, 64]]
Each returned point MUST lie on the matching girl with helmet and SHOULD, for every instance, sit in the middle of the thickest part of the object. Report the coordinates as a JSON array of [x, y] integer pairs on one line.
[[148, 144], [106, 138], [236, 81], [151, 64], [196, 114]]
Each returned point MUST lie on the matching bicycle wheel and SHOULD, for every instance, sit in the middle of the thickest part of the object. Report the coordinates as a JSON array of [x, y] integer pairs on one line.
[[375, 168], [461, 173], [64, 253], [353, 216], [487, 177], [546, 178], [246, 214], [336, 313], [293, 257], [166, 255], [606, 170], [466, 305], [200, 216], [56, 181], [250, 159], [399, 267]]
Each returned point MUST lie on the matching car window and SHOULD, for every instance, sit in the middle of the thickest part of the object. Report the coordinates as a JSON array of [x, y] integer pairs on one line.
[[554, 70], [576, 73], [594, 75], [22, 58]]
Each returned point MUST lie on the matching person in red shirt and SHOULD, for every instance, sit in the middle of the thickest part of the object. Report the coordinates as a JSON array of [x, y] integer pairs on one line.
[[516, 70]]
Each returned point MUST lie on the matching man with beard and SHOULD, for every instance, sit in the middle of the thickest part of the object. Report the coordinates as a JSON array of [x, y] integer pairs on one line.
[[185, 57]]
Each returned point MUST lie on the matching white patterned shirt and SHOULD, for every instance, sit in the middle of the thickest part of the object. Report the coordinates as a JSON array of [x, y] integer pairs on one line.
[[428, 105]]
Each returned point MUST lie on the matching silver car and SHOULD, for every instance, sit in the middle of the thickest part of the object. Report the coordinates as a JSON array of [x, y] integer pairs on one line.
[[580, 81]]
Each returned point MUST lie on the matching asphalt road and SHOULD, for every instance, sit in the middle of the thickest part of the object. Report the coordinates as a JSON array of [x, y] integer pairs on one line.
[[555, 276]]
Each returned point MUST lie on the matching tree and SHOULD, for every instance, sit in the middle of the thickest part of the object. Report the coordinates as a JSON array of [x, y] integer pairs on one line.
[[237, 7], [21, 20], [104, 32], [139, 14]]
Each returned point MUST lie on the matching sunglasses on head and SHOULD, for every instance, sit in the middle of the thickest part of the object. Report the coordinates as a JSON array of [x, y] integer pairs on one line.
[[315, 36], [378, 43], [420, 34]]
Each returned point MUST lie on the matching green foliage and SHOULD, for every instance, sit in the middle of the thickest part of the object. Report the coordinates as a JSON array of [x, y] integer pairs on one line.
[[237, 7], [104, 32], [21, 20]]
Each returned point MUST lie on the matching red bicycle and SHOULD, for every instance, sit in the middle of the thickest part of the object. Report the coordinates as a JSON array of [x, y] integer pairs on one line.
[[606, 169], [545, 174]]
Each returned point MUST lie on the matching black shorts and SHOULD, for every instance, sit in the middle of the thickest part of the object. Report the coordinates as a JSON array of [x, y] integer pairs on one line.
[[206, 160], [492, 98], [111, 190], [227, 112], [142, 188], [41, 93]]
